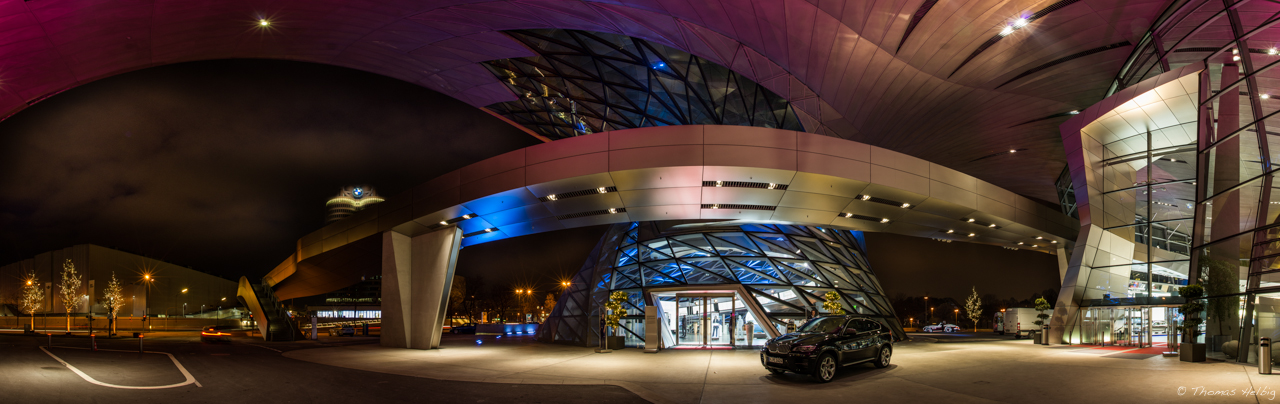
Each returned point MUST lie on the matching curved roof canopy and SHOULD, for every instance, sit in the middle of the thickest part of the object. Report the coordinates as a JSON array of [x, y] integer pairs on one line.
[[954, 82]]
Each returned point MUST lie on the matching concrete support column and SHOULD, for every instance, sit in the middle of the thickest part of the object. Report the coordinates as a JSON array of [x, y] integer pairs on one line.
[[417, 273]]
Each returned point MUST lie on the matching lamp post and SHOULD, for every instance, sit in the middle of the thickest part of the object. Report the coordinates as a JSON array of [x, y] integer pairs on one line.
[[957, 316], [928, 311], [146, 301]]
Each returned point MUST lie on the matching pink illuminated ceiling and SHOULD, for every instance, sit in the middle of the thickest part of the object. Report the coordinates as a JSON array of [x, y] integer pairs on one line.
[[840, 62]]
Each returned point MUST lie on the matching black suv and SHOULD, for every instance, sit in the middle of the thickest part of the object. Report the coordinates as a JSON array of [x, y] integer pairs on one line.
[[824, 344]]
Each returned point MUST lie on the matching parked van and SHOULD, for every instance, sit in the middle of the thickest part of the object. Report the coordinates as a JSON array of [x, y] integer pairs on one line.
[[1020, 321]]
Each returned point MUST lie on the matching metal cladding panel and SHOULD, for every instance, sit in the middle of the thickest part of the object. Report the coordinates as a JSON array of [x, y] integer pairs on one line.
[[749, 136], [665, 177], [389, 220], [591, 181], [575, 146], [898, 161], [445, 214], [535, 226], [656, 156], [747, 174], [518, 215], [806, 216], [569, 167], [656, 136], [895, 194], [662, 196], [509, 199], [858, 224], [899, 180], [826, 184], [807, 200], [584, 203], [431, 204], [943, 208], [745, 196], [737, 214], [767, 157], [834, 166], [596, 220], [434, 187], [492, 184], [951, 194], [664, 212], [811, 143]]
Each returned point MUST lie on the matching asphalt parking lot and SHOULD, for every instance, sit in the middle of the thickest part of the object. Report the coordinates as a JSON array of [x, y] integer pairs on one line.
[[244, 370]]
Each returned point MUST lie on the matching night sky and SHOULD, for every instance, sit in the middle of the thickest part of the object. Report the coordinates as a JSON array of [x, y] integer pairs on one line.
[[223, 165]]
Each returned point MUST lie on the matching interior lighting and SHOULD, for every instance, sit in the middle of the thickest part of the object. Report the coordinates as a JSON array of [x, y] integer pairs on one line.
[[1012, 151], [970, 220], [659, 65], [488, 230], [1021, 22], [1074, 112], [886, 220], [613, 210], [848, 215], [1008, 29], [262, 22], [971, 234], [444, 223], [950, 231], [551, 197], [1235, 51], [1053, 241], [993, 225], [1273, 51], [1039, 238], [772, 185], [1019, 243], [906, 205], [184, 290], [1235, 58], [466, 216], [1264, 96], [866, 197], [602, 190], [716, 206], [1035, 246], [719, 183]]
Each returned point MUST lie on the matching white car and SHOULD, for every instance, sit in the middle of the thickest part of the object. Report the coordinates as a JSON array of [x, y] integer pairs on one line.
[[942, 327]]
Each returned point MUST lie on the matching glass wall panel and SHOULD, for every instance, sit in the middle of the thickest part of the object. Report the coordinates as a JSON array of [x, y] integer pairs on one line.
[[1232, 212]]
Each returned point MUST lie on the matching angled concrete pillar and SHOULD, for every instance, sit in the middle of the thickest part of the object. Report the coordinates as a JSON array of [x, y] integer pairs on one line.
[[417, 273]]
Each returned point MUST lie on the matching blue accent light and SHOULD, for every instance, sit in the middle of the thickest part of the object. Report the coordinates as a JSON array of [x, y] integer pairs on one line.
[[478, 342], [659, 65]]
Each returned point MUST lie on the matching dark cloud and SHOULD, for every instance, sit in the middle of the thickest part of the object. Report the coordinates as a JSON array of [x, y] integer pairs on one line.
[[222, 165]]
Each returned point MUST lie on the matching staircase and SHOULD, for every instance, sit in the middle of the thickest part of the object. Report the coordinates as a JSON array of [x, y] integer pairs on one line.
[[273, 321]]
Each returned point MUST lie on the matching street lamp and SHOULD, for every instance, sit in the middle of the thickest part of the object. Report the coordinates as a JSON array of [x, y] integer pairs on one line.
[[957, 316], [927, 309], [146, 300]]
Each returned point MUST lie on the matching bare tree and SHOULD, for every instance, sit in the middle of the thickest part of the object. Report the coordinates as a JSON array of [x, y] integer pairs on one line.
[[32, 298], [113, 300], [973, 308], [69, 288]]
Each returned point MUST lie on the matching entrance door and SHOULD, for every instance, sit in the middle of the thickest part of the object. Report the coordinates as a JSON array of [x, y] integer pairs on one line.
[[705, 319]]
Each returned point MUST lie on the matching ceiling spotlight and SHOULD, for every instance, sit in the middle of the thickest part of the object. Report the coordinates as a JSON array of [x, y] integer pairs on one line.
[[1039, 238], [444, 223], [993, 225], [466, 216], [970, 220], [1008, 29], [906, 205], [613, 210], [971, 234], [1019, 243], [602, 190], [950, 231], [884, 220], [1273, 51], [264, 23], [1235, 51], [1012, 151], [1021, 22], [488, 230], [1035, 246], [1053, 241], [1074, 112], [1264, 96], [716, 206], [551, 197], [719, 183], [865, 197], [772, 185], [848, 215]]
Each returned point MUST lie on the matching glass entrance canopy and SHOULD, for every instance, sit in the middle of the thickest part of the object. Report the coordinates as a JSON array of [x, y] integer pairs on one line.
[[705, 280]]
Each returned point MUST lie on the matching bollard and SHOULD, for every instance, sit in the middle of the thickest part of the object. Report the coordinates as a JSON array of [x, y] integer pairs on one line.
[[93, 341], [1264, 356], [140, 342], [50, 339]]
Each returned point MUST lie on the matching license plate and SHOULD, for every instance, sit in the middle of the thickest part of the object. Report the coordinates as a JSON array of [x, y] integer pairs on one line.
[[774, 360]]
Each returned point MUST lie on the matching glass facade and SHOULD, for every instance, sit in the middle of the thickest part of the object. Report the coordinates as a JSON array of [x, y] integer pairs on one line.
[[718, 286], [585, 82]]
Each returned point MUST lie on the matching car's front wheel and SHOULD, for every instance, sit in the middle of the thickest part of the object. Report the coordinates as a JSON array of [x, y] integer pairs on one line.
[[826, 368], [883, 357]]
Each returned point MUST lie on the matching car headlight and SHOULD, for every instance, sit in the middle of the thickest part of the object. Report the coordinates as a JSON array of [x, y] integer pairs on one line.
[[804, 348]]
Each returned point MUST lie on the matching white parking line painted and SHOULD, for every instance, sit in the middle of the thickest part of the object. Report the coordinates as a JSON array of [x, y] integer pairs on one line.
[[267, 347], [187, 375]]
